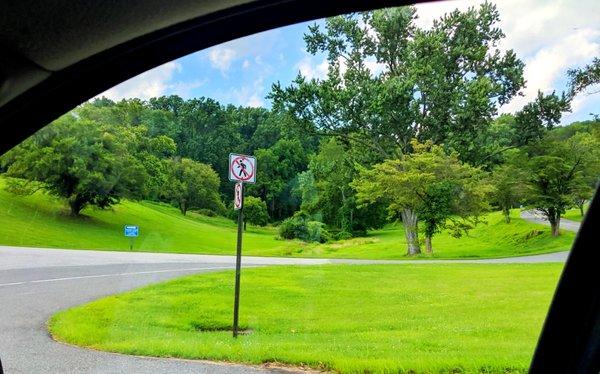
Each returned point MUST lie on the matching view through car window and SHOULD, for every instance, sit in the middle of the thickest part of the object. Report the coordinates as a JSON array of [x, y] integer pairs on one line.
[[388, 191]]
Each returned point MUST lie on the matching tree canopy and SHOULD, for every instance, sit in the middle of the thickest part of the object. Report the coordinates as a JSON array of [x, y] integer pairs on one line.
[[82, 163], [193, 185], [444, 192], [389, 81]]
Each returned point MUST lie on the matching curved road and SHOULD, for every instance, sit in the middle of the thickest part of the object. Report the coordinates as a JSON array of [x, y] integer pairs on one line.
[[35, 283], [565, 224]]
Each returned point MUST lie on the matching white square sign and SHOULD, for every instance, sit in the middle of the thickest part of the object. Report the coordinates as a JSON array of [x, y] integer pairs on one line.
[[242, 168], [238, 198]]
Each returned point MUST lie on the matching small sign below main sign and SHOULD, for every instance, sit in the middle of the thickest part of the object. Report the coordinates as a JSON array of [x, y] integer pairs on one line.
[[242, 168], [132, 231], [238, 199]]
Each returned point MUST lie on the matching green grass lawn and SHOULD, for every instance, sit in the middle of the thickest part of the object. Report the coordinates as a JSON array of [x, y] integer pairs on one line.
[[493, 239], [44, 221], [375, 318], [41, 220], [574, 214]]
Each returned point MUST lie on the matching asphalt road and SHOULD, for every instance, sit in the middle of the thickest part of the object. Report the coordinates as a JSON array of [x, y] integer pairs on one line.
[[35, 283], [533, 216]]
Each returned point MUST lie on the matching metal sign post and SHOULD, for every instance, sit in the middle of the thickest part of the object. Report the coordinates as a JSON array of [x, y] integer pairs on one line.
[[238, 257], [242, 169]]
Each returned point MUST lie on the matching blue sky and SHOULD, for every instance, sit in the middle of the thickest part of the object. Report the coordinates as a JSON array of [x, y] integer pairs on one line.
[[239, 72], [549, 36]]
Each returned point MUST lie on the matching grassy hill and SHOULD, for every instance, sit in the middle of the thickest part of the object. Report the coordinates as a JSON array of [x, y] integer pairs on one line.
[[491, 239], [40, 220]]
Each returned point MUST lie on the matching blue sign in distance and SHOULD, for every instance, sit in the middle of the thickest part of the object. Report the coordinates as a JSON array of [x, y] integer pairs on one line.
[[132, 231]]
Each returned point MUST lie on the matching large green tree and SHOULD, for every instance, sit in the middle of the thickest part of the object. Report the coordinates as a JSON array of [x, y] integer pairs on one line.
[[556, 173], [509, 189], [80, 161], [538, 116], [445, 192], [255, 211], [580, 80], [193, 185], [277, 168], [389, 81], [327, 194]]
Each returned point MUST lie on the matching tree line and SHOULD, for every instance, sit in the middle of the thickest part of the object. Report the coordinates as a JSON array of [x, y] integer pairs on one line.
[[418, 138], [426, 122]]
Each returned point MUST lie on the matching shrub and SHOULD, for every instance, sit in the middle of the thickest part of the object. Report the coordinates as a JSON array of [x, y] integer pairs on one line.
[[293, 228], [255, 211], [343, 235], [300, 227], [206, 212], [316, 232]]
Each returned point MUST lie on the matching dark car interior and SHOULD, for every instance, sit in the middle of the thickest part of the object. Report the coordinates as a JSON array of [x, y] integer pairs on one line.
[[56, 55]]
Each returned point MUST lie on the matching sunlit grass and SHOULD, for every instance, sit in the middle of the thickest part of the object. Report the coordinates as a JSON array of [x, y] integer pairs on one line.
[[575, 214], [492, 239], [43, 221], [383, 318]]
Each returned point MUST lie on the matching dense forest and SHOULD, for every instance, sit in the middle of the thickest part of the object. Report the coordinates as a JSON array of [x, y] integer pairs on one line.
[[421, 142]]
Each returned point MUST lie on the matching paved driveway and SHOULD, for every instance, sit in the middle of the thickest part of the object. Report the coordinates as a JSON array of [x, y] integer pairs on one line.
[[533, 216]]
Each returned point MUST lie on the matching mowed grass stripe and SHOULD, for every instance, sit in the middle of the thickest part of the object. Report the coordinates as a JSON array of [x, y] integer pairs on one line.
[[376, 318]]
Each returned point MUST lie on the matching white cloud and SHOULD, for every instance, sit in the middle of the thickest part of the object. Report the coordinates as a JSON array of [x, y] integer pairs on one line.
[[282, 59], [311, 69], [151, 83], [549, 36], [547, 68], [244, 50], [252, 55], [255, 101], [583, 106], [248, 95], [184, 89], [375, 67], [221, 58]]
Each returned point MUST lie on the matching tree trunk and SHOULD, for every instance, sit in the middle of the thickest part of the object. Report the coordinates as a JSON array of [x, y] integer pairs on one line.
[[428, 247], [182, 207], [506, 212], [272, 207], [554, 219], [76, 204], [409, 219], [581, 209], [244, 225], [555, 226]]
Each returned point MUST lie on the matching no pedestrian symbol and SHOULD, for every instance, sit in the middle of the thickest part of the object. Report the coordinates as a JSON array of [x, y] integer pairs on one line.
[[242, 168]]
